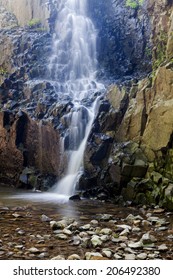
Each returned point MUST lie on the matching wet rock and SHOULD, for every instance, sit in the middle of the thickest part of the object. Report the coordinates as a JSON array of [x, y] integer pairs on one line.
[[58, 225], [117, 257], [58, 258], [94, 222], [43, 255], [89, 255], [125, 232], [161, 229], [126, 227], [96, 241], [85, 227], [45, 218], [136, 230], [105, 238], [148, 239], [159, 210], [75, 197], [106, 231], [76, 240], [106, 253], [74, 257], [162, 247], [61, 236], [105, 217], [34, 250], [130, 257], [142, 256], [135, 245], [67, 231]]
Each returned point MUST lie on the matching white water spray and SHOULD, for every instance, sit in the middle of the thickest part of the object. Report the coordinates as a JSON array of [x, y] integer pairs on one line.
[[73, 66]]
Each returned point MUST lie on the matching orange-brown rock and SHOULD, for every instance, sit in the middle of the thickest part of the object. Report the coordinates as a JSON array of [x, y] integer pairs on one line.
[[25, 142]]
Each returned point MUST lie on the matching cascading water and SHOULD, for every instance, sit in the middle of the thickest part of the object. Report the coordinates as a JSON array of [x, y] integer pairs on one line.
[[73, 69]]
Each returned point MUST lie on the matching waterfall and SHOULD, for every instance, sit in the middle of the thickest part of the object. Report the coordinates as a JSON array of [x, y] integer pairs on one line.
[[73, 66]]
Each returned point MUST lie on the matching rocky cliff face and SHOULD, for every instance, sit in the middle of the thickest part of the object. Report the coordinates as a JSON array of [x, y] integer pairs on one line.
[[26, 10], [143, 128]]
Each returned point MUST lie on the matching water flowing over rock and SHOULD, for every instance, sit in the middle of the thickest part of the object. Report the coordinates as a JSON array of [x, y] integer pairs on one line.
[[72, 67]]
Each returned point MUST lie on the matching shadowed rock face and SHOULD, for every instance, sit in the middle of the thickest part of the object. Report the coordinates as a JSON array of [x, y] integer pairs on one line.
[[123, 38], [24, 142]]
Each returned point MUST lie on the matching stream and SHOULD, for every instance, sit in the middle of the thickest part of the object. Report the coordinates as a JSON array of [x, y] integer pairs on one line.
[[39, 226]]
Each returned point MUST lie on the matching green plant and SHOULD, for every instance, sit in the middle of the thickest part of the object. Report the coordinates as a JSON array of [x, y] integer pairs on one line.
[[134, 3], [3, 71], [34, 23]]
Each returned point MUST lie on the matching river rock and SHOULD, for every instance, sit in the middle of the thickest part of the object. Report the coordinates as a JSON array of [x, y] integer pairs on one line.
[[135, 245], [96, 241], [34, 250], [125, 232], [104, 238], [61, 236], [94, 222], [59, 257], [67, 231], [89, 255], [136, 229], [74, 257], [106, 231], [142, 256], [106, 253], [162, 247], [105, 217], [58, 225], [85, 227], [130, 257], [45, 218], [148, 239], [117, 257]]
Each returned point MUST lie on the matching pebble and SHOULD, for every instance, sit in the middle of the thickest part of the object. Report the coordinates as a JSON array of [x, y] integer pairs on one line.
[[106, 231], [85, 227], [130, 257], [104, 238], [67, 231], [125, 232], [162, 247], [136, 229], [43, 255], [34, 250], [59, 257], [61, 236], [161, 229], [106, 253], [94, 222], [105, 217], [74, 257], [146, 223], [135, 245], [89, 255], [148, 239], [96, 241], [117, 257], [45, 218], [142, 256], [58, 225]]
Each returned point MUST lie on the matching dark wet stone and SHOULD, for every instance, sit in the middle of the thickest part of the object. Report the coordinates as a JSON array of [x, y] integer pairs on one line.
[[75, 197]]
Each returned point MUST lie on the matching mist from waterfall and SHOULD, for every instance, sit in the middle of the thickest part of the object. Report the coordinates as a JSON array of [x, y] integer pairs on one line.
[[73, 66]]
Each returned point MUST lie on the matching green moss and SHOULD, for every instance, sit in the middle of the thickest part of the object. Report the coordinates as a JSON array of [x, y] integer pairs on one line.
[[160, 53], [3, 71], [134, 3], [34, 23]]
